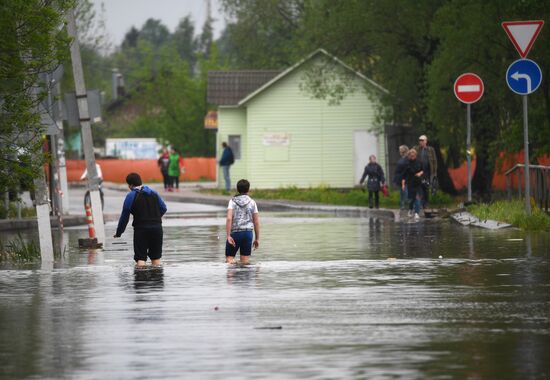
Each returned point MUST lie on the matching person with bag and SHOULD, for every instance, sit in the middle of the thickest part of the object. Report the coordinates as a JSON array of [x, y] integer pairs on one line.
[[227, 159], [375, 180], [427, 157], [147, 207]]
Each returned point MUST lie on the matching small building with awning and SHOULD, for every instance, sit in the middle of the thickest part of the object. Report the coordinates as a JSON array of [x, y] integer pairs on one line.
[[286, 131]]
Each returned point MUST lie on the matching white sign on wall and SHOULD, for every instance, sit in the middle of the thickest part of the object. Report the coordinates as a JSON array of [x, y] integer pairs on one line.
[[132, 148], [276, 139]]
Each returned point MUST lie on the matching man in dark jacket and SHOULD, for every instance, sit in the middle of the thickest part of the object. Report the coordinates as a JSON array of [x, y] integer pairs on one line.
[[400, 170], [147, 207], [426, 155], [226, 161], [375, 179]]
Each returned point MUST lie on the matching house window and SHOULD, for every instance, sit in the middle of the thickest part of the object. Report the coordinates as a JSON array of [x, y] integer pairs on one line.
[[234, 142]]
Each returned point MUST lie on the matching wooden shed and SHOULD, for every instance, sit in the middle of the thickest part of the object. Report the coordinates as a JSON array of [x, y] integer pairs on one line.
[[282, 135]]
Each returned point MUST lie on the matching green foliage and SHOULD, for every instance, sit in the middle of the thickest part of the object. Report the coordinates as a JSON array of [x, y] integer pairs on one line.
[[512, 212], [414, 49], [11, 212], [19, 251], [33, 42], [327, 195]]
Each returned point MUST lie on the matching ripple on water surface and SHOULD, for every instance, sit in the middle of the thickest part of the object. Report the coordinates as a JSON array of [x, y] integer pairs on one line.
[[325, 297]]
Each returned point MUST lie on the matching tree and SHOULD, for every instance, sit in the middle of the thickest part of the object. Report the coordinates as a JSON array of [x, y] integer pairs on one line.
[[471, 39], [184, 39], [264, 34], [33, 43]]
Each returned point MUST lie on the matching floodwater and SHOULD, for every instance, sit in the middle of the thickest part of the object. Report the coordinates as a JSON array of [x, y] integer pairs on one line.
[[326, 297]]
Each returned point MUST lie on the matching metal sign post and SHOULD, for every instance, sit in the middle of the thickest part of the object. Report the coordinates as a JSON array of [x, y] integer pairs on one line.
[[468, 148], [526, 156], [524, 77], [469, 89]]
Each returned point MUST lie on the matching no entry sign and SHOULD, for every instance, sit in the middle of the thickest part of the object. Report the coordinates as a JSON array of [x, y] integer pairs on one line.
[[468, 88]]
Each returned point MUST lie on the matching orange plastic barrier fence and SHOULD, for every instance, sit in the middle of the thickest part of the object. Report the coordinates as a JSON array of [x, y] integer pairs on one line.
[[504, 162], [196, 169]]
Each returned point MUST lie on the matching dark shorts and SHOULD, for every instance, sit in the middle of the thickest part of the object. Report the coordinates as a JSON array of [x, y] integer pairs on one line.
[[243, 240], [147, 242]]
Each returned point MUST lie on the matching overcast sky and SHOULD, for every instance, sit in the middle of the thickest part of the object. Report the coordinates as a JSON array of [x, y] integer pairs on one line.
[[121, 15]]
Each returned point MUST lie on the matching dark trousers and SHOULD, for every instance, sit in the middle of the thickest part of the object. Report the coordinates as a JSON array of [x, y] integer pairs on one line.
[[376, 198], [175, 181], [165, 179], [425, 194], [148, 243]]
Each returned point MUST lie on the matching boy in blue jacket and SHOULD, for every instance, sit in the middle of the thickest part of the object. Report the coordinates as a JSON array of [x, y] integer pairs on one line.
[[147, 207]]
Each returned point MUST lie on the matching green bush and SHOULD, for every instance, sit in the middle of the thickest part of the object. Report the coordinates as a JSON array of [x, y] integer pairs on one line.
[[512, 212], [11, 212]]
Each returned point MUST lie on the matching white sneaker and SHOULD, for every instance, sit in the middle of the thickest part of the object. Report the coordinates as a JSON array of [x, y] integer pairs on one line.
[[416, 216], [410, 213]]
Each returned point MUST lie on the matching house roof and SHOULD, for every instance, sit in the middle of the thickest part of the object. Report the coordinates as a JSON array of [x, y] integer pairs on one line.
[[227, 88], [300, 63]]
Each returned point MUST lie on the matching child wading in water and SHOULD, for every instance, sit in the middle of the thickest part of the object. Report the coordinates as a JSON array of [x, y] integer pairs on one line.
[[147, 207], [242, 219]]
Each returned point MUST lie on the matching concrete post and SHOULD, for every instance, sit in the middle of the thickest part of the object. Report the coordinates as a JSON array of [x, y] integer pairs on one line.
[[86, 128]]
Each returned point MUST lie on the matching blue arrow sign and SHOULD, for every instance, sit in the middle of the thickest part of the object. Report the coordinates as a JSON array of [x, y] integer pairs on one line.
[[523, 76]]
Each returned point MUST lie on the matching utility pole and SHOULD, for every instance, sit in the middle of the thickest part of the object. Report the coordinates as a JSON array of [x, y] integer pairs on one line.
[[114, 79], [86, 128], [62, 168]]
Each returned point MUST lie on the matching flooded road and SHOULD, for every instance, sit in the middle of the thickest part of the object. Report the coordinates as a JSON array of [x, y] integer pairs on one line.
[[326, 297]]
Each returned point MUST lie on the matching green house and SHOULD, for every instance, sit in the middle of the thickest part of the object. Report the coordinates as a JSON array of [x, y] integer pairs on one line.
[[282, 134]]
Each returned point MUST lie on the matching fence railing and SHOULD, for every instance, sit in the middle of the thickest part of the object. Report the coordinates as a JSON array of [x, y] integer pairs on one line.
[[539, 176]]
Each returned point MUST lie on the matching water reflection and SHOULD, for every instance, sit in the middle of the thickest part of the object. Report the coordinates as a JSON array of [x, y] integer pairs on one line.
[[346, 311], [150, 278]]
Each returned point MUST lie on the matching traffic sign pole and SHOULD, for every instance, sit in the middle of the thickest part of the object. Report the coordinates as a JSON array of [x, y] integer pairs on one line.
[[469, 89], [468, 147], [526, 157]]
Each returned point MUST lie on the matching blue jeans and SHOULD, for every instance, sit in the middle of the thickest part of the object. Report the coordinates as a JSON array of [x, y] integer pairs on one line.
[[226, 177], [403, 198]]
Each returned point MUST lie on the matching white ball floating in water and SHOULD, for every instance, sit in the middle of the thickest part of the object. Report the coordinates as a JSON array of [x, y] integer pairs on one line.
[[440, 256]]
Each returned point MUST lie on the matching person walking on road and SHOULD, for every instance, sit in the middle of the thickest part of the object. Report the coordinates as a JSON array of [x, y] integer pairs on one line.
[[400, 173], [412, 181], [163, 163], [147, 207], [375, 180], [227, 159], [174, 170], [426, 156]]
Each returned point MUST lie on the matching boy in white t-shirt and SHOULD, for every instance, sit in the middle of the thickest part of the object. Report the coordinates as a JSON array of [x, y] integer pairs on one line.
[[242, 219]]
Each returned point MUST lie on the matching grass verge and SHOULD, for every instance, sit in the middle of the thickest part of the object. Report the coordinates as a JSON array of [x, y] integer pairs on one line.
[[19, 251], [327, 195], [513, 212]]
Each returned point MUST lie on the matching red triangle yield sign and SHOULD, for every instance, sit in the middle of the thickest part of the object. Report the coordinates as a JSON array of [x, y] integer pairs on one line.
[[523, 34]]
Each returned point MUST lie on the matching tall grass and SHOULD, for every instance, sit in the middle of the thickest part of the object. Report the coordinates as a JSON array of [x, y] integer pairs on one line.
[[327, 195], [19, 251], [512, 212]]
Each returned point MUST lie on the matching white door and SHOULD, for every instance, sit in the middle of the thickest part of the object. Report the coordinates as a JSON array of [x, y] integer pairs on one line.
[[365, 144]]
